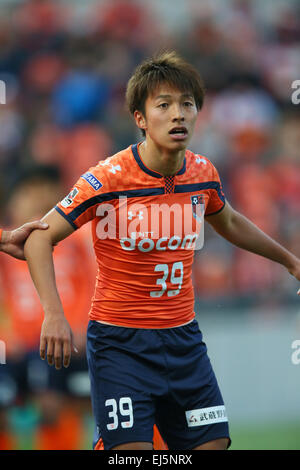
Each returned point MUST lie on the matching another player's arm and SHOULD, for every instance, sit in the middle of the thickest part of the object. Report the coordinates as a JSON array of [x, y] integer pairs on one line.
[[243, 233], [12, 241], [56, 334]]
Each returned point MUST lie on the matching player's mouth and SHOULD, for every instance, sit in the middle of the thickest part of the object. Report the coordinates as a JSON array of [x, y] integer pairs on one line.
[[178, 133]]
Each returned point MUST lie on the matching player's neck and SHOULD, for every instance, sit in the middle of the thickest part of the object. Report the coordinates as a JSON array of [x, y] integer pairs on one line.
[[161, 160]]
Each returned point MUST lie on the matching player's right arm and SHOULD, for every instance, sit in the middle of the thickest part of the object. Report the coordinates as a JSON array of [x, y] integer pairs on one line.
[[56, 334]]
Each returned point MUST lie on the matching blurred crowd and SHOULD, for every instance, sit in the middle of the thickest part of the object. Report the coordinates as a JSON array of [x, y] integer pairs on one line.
[[66, 65]]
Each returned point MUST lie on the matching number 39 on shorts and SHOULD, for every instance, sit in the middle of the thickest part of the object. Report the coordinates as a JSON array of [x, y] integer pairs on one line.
[[123, 408]]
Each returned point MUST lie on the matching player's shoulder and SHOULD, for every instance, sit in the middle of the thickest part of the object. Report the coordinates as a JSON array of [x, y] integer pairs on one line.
[[116, 162], [108, 173], [105, 178], [198, 165], [195, 160]]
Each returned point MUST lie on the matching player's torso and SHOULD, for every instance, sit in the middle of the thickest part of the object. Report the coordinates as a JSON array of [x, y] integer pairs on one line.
[[145, 230]]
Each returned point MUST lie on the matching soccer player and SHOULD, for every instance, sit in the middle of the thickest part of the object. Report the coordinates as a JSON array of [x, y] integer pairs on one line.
[[12, 241], [34, 192], [147, 361]]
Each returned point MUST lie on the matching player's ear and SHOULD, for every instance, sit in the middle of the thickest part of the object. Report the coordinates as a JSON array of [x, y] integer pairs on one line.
[[140, 120]]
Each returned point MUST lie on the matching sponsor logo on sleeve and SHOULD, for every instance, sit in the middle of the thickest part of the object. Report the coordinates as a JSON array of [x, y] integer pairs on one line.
[[92, 180], [204, 416], [68, 200]]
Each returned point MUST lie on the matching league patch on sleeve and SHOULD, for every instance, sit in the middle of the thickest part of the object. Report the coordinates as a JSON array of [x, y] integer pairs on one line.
[[92, 180], [68, 200]]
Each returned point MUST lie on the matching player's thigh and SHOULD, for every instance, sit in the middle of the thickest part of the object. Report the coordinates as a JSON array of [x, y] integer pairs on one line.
[[134, 446], [217, 444], [184, 429], [122, 401], [194, 413]]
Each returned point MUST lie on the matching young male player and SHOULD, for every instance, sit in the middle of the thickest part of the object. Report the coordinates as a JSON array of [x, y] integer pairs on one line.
[[147, 361], [12, 241]]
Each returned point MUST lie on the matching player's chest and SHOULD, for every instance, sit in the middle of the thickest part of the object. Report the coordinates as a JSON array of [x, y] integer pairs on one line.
[[166, 221]]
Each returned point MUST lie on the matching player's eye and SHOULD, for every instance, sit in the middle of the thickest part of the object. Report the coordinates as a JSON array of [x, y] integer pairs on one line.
[[163, 105], [188, 104]]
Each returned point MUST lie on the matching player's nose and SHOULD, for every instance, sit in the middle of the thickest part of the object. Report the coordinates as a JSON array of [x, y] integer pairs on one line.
[[178, 113]]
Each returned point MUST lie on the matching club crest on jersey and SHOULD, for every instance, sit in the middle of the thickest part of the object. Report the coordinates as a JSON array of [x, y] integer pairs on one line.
[[92, 180], [198, 206]]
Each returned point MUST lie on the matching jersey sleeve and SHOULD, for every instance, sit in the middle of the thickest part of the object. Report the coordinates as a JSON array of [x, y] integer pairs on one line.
[[217, 198], [80, 205]]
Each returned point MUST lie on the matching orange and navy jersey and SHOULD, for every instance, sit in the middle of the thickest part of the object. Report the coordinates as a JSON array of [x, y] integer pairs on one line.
[[145, 227], [22, 314]]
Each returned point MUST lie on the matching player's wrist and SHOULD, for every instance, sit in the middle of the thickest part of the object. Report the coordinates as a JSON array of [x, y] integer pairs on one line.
[[292, 263], [294, 267], [53, 313]]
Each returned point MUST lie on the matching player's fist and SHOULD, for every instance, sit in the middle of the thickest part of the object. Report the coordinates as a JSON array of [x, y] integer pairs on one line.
[[56, 341]]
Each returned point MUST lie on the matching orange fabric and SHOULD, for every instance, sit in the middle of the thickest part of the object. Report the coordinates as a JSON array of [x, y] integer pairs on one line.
[[1, 230], [158, 442], [143, 281], [99, 445], [75, 273], [65, 434]]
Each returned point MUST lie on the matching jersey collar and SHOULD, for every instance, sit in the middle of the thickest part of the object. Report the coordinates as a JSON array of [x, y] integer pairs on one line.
[[147, 170]]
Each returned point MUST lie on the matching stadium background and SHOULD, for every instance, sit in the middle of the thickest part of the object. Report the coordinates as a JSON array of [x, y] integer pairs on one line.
[[66, 64]]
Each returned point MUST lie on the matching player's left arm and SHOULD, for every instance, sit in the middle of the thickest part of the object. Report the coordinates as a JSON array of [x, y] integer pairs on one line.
[[243, 233]]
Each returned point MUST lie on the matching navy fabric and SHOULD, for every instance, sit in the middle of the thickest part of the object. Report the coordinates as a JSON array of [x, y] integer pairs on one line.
[[144, 376]]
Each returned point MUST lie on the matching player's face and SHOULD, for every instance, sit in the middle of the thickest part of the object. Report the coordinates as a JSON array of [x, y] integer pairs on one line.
[[170, 117]]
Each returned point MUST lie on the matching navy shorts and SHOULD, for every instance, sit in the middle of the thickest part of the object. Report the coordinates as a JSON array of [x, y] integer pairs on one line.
[[144, 376]]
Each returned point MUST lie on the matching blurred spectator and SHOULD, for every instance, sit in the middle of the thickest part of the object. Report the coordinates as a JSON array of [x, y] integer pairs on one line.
[[284, 168], [38, 17], [205, 48], [211, 272], [42, 72], [25, 376], [243, 104], [81, 148], [126, 21], [79, 97]]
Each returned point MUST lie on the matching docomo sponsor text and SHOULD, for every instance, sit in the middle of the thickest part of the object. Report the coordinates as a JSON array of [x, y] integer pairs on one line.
[[161, 226]]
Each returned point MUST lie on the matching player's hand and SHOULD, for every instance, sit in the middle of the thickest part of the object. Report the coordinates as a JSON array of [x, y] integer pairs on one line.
[[12, 242], [295, 271], [56, 341]]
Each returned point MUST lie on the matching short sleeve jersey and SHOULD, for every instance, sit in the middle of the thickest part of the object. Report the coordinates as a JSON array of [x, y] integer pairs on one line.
[[145, 230]]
